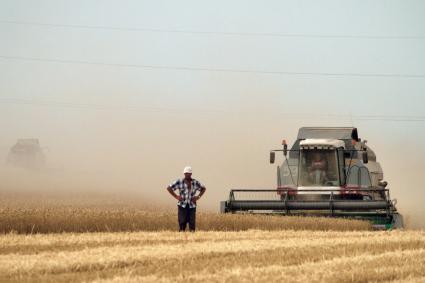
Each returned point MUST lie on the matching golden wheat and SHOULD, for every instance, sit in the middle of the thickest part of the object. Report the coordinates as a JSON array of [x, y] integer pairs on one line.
[[129, 243], [56, 219], [262, 256]]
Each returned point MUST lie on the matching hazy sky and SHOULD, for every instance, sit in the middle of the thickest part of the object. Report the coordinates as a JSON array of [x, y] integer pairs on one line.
[[143, 88]]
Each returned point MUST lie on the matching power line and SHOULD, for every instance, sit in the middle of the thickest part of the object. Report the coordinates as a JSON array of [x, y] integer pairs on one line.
[[7, 100], [87, 106], [205, 69], [361, 117], [195, 32]]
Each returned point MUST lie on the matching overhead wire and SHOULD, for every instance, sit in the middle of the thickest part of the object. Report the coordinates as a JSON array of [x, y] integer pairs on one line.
[[199, 32], [133, 108], [186, 68], [7, 100], [209, 69]]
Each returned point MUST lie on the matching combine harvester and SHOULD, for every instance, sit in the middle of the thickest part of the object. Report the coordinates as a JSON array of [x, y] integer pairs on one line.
[[327, 172], [27, 154]]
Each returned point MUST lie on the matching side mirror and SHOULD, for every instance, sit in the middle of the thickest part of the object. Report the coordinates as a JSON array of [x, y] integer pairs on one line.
[[365, 157], [272, 157]]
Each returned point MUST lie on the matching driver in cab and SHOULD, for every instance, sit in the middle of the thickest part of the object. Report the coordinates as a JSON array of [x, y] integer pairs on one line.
[[317, 170]]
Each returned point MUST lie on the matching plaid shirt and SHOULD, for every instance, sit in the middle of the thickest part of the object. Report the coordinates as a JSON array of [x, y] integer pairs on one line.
[[185, 193]]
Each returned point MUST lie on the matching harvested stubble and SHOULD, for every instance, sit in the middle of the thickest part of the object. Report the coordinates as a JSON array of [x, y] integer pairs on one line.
[[248, 256], [69, 219]]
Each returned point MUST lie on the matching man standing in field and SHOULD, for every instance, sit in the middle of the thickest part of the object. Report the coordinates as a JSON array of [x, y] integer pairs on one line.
[[187, 198]]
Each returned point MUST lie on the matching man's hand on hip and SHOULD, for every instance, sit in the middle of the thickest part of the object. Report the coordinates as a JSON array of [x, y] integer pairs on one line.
[[195, 198]]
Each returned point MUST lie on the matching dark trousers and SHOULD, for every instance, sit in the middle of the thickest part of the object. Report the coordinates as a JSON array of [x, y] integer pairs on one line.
[[187, 215]]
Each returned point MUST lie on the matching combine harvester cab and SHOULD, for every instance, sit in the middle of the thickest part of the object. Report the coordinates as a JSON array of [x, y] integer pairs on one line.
[[327, 172]]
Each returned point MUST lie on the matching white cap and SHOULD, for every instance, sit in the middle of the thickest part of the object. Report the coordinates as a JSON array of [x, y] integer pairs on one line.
[[187, 169]]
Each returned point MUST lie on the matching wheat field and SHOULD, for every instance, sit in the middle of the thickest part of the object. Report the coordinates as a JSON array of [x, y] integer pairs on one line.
[[97, 242], [48, 215], [245, 256], [31, 221]]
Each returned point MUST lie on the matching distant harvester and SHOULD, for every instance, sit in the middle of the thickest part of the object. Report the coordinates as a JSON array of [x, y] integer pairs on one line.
[[27, 153], [329, 172]]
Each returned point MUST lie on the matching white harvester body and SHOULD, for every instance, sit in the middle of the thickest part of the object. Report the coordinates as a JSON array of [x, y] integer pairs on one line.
[[327, 171]]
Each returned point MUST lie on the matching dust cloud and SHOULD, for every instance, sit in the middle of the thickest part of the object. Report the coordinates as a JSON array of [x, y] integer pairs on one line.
[[139, 154], [136, 155], [404, 170]]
